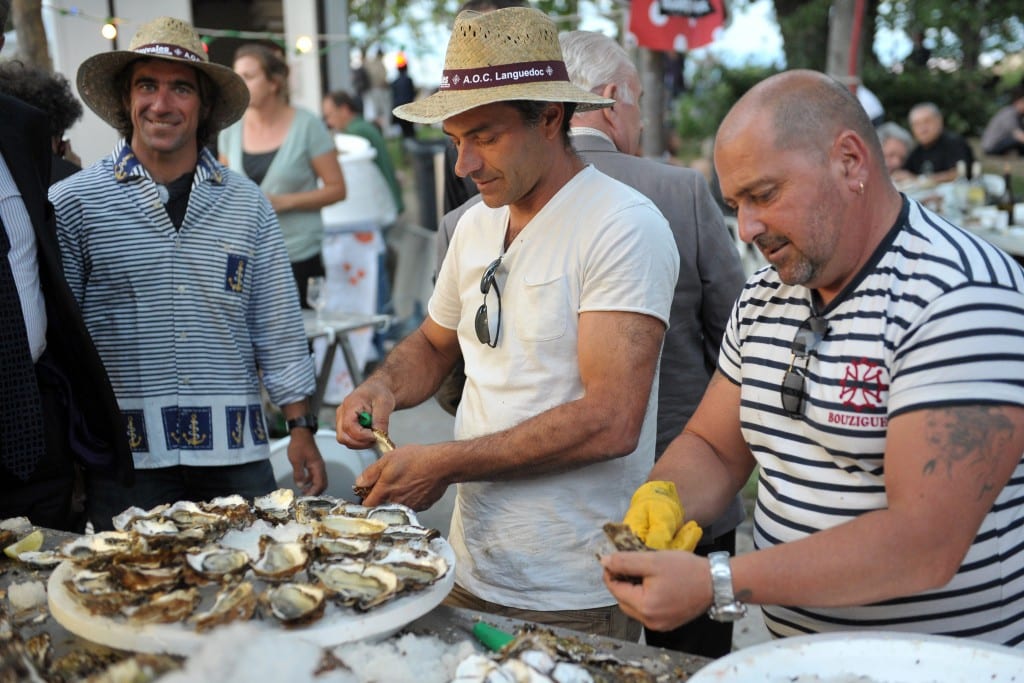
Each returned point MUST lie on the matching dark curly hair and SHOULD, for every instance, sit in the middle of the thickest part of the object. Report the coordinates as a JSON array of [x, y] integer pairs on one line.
[[49, 92]]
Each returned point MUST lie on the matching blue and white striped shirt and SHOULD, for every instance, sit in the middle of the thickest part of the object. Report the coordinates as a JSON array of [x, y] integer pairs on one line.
[[188, 322], [936, 318]]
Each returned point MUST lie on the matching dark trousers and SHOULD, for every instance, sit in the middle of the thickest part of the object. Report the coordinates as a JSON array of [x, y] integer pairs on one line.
[[702, 636], [46, 498], [107, 498], [305, 269]]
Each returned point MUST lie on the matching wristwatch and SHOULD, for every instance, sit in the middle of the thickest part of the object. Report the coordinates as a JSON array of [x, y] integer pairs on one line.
[[726, 607], [310, 422]]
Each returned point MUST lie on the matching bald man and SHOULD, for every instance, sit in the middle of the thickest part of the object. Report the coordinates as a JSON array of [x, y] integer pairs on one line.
[[874, 373]]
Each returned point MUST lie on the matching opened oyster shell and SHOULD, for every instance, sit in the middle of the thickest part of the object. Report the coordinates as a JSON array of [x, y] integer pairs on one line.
[[394, 514], [312, 508], [216, 563], [164, 608], [276, 506], [356, 583], [233, 603], [278, 561], [295, 603], [100, 549], [146, 577], [234, 509], [415, 569], [338, 525]]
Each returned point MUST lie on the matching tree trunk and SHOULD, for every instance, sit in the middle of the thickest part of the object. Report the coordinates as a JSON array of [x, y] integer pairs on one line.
[[27, 16], [804, 29], [652, 77], [840, 34]]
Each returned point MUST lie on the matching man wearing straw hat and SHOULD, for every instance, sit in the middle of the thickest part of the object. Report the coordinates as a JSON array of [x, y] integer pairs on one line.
[[556, 293], [180, 268]]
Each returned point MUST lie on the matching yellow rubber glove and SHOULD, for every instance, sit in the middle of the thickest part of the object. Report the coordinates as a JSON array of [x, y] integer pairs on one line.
[[655, 514], [687, 538]]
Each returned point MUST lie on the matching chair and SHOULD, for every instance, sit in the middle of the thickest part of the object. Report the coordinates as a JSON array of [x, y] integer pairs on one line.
[[343, 466]]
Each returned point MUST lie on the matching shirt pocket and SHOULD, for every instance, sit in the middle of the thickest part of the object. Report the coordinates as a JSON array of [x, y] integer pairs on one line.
[[544, 313]]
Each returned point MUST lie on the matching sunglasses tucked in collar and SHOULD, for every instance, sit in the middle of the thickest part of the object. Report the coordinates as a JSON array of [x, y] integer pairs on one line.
[[808, 336]]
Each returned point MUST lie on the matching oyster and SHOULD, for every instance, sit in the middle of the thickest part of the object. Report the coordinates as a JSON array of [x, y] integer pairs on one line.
[[234, 509], [404, 533], [347, 509], [623, 538], [311, 508], [123, 520], [98, 592], [100, 549], [233, 603], [276, 506], [165, 608], [295, 603], [216, 563], [345, 546], [278, 560], [146, 577], [358, 584], [188, 515], [394, 514], [43, 559], [415, 569], [338, 525], [154, 527]]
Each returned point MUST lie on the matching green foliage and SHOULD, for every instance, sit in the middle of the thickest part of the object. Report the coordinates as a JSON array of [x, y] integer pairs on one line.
[[698, 113], [804, 29]]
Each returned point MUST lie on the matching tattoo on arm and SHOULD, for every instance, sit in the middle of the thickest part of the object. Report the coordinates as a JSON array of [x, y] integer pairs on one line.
[[968, 436]]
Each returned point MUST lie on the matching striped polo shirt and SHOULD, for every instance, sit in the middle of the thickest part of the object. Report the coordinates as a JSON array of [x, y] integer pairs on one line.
[[188, 322], [936, 318]]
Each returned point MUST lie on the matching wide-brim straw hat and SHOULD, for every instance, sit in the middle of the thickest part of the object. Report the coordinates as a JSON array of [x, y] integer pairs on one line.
[[172, 40], [500, 56]]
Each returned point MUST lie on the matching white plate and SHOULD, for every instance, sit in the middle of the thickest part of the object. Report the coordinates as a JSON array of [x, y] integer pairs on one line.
[[338, 625], [868, 657]]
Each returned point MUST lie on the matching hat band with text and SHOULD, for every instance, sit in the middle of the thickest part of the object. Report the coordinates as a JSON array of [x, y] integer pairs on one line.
[[503, 74], [165, 50]]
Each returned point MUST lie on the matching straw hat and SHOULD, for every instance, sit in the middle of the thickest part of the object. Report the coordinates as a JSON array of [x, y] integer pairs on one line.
[[508, 54], [164, 38]]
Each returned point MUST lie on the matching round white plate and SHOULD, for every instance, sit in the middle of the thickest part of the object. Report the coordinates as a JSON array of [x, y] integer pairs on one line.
[[338, 625], [868, 657]]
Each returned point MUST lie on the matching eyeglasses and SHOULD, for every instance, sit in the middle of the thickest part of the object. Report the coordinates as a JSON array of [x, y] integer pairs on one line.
[[483, 327], [807, 338]]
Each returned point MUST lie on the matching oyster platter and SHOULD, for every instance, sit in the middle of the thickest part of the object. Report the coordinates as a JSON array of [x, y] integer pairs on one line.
[[318, 568]]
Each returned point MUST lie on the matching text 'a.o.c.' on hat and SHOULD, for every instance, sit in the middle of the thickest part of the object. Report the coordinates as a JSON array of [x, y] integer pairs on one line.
[[500, 56], [165, 38]]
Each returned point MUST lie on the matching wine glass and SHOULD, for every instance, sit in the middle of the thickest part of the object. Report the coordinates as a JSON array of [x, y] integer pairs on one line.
[[316, 296]]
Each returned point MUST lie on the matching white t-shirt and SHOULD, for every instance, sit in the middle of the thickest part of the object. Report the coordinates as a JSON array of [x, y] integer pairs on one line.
[[598, 245], [935, 319]]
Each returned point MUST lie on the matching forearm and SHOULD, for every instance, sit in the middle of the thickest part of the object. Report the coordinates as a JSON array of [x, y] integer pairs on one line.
[[877, 556], [311, 200], [413, 370], [563, 438]]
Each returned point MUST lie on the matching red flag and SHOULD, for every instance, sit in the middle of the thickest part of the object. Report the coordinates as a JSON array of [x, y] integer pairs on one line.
[[675, 25]]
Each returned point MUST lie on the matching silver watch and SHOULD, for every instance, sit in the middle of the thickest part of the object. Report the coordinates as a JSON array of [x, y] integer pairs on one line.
[[726, 607]]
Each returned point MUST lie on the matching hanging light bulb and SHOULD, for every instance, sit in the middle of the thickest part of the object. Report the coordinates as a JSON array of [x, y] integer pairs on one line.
[[109, 31], [303, 44]]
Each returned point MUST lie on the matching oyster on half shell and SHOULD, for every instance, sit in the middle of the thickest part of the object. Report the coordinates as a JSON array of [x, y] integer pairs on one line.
[[415, 568], [280, 560], [339, 525], [394, 514], [276, 506], [164, 608], [356, 583], [233, 603], [215, 562], [295, 603]]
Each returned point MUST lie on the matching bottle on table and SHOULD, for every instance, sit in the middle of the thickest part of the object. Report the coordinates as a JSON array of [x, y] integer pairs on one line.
[[1006, 200], [976, 194]]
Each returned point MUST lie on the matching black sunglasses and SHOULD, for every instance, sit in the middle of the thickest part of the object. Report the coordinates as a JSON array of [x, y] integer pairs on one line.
[[807, 338], [483, 327]]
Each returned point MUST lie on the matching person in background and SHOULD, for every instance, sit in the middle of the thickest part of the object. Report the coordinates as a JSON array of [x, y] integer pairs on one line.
[[403, 91], [60, 415], [343, 113], [1004, 133], [288, 152], [556, 293], [710, 274], [896, 144], [51, 93], [938, 150], [457, 190], [875, 374], [181, 271]]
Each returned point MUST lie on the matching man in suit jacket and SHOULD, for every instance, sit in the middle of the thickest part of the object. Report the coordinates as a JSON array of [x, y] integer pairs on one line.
[[82, 423]]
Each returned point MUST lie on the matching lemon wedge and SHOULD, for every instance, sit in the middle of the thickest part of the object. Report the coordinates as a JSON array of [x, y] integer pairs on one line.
[[30, 543]]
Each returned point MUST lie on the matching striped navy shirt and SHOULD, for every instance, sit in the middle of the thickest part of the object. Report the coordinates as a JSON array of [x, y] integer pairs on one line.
[[936, 318], [188, 322]]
